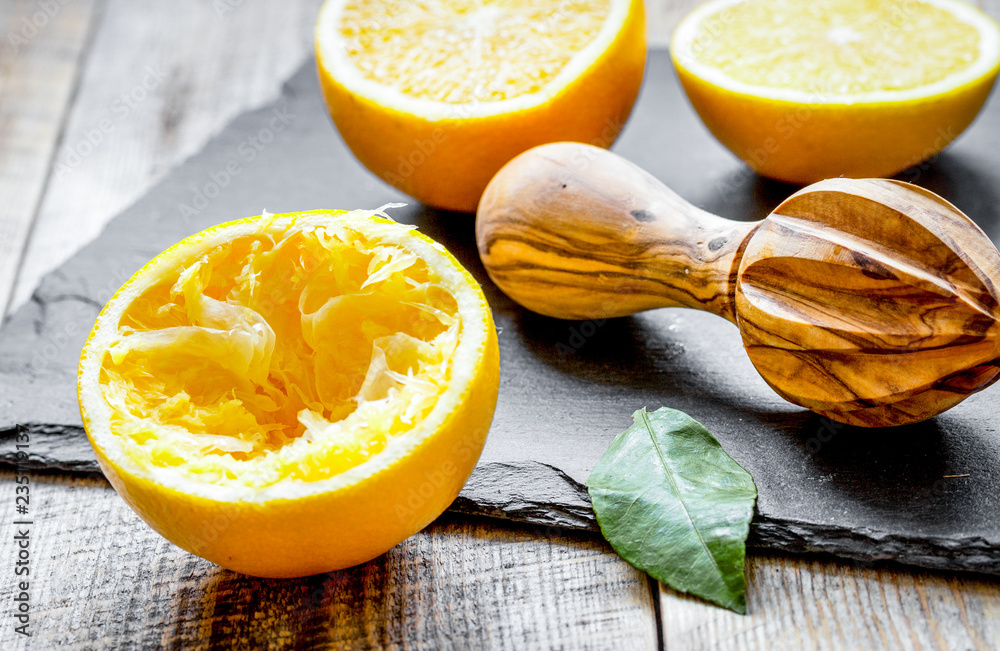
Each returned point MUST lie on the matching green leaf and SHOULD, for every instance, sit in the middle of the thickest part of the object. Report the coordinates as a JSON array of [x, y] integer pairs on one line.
[[672, 503]]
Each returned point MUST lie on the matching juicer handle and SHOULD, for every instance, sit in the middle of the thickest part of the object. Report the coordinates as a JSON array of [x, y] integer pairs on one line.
[[576, 232]]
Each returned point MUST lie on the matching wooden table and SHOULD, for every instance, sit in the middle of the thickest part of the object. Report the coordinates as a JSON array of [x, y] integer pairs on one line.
[[98, 99]]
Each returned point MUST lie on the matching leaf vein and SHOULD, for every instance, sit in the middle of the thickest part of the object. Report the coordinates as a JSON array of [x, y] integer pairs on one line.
[[673, 484]]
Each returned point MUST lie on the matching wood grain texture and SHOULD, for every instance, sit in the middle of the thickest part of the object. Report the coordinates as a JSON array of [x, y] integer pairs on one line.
[[217, 59], [160, 79], [872, 302], [40, 56], [109, 581], [251, 47], [804, 605], [576, 232], [101, 578]]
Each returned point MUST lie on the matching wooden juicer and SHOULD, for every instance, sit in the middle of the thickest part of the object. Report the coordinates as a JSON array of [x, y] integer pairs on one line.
[[872, 302]]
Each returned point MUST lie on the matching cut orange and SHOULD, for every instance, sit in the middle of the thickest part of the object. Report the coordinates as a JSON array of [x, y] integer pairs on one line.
[[292, 394], [434, 97], [804, 91]]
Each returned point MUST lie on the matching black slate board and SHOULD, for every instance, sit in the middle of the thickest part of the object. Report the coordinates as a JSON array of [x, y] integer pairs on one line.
[[568, 388]]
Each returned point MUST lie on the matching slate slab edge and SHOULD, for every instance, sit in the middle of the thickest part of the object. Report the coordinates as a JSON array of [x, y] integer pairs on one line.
[[525, 492], [538, 494]]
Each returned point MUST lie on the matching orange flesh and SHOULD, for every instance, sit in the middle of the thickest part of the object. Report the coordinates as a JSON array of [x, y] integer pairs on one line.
[[295, 355], [840, 47], [459, 51]]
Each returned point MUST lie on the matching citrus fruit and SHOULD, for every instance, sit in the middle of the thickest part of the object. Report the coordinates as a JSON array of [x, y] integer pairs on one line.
[[434, 97], [804, 91], [292, 394]]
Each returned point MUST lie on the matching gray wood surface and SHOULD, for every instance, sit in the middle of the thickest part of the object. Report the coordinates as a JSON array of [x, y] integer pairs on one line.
[[39, 69], [105, 580], [808, 604], [158, 80], [102, 578]]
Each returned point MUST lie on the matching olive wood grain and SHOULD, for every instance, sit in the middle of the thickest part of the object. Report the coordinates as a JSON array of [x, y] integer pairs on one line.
[[870, 301], [572, 232]]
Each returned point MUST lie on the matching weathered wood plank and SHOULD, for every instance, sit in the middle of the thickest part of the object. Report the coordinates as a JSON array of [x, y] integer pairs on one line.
[[192, 66], [39, 63], [808, 604], [101, 578], [798, 604], [113, 582], [161, 78], [219, 57]]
